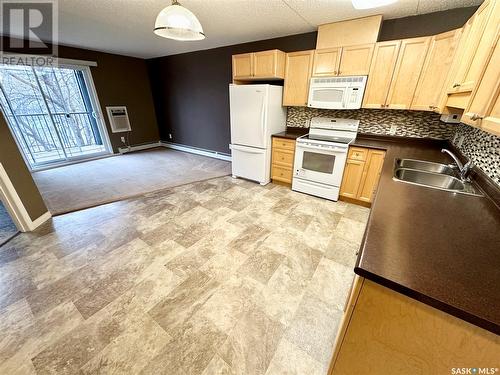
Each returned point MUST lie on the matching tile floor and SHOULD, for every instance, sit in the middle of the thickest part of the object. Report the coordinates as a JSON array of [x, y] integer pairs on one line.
[[217, 277]]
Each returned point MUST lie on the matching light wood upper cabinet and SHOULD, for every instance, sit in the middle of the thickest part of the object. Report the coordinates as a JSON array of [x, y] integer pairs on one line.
[[349, 32], [259, 65], [355, 60], [484, 107], [382, 67], [326, 62], [473, 50], [491, 123], [298, 68], [269, 64], [343, 61], [410, 61], [242, 66], [430, 94]]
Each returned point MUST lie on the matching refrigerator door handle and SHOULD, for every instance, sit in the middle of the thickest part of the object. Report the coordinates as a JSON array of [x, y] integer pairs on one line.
[[262, 116], [248, 150]]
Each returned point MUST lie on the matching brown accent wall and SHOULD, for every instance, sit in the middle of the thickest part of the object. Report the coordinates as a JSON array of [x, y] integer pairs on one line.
[[119, 80], [191, 89], [425, 24]]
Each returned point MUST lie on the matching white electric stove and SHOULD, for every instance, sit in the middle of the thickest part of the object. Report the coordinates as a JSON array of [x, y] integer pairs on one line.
[[320, 156]]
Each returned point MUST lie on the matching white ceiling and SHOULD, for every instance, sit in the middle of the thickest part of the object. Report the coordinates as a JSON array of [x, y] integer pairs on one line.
[[125, 26]]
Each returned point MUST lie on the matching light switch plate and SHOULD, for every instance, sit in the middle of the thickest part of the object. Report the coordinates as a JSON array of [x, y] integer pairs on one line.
[[393, 129]]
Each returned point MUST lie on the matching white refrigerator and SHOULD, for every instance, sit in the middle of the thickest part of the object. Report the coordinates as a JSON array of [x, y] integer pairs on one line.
[[256, 113]]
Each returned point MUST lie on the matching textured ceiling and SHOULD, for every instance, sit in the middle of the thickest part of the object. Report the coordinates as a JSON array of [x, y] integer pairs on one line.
[[125, 26]]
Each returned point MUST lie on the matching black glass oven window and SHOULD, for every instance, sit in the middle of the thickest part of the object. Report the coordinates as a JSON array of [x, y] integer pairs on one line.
[[318, 162]]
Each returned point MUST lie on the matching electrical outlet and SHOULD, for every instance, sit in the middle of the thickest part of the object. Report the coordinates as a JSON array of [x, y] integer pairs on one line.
[[123, 139], [393, 129], [460, 141], [455, 137]]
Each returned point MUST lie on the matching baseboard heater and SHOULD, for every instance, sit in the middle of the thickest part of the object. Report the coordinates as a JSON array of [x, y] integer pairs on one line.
[[197, 150]]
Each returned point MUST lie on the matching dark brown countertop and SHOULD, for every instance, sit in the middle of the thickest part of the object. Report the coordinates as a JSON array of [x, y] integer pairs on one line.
[[437, 247], [292, 133]]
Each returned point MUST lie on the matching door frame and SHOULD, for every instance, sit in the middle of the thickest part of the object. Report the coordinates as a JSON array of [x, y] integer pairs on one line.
[[89, 81], [15, 206]]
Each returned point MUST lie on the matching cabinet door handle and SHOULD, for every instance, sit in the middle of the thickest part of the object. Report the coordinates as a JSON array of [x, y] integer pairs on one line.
[[456, 85], [476, 117]]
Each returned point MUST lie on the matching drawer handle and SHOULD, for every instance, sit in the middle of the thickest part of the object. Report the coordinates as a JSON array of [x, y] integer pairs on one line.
[[456, 85], [476, 117]]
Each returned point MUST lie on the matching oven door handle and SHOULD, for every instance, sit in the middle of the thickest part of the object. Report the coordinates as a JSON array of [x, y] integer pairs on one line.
[[334, 149], [315, 184]]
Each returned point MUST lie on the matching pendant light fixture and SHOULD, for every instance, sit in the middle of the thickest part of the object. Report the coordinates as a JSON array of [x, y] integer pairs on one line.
[[179, 23], [368, 4]]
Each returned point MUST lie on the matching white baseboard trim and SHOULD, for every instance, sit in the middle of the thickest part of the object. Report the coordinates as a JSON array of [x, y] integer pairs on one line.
[[197, 151], [146, 146], [15, 206], [42, 219]]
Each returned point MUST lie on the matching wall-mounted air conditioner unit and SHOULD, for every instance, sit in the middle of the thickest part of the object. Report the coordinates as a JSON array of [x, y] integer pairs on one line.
[[118, 118]]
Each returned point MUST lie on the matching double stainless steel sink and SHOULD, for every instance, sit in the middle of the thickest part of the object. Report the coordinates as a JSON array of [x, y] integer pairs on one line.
[[432, 175]]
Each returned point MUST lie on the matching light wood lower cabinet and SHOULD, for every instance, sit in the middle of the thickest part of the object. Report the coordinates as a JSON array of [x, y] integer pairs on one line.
[[371, 175], [386, 333], [353, 174], [283, 154], [361, 174]]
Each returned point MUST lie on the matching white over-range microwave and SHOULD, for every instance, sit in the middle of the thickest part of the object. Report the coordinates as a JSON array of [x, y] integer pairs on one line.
[[337, 92]]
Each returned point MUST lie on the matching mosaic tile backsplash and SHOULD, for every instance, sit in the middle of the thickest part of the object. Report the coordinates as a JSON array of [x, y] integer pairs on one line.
[[482, 147], [418, 124]]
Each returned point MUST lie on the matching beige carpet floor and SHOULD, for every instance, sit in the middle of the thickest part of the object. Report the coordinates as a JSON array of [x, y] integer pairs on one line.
[[96, 182]]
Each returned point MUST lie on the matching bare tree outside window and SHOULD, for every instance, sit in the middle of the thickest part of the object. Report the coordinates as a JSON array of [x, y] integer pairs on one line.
[[50, 112]]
